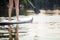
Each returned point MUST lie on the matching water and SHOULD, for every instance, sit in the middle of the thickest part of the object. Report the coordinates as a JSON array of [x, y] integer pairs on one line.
[[42, 28]]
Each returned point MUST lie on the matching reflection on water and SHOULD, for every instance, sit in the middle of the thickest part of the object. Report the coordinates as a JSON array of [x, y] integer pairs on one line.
[[42, 28]]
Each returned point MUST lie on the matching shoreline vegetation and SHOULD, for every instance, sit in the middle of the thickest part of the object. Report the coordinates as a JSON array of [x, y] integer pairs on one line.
[[30, 12]]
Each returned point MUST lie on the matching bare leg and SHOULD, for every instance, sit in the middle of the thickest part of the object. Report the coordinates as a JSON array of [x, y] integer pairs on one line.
[[10, 8], [17, 8], [9, 13], [17, 15]]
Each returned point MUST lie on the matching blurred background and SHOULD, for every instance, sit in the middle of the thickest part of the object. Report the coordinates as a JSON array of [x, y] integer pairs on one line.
[[40, 4]]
